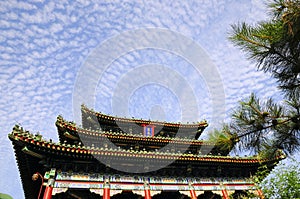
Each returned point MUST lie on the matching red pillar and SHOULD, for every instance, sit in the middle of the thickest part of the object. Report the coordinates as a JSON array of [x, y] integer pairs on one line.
[[106, 193], [192, 191], [193, 194], [147, 194], [225, 194], [106, 190], [49, 188], [260, 194], [147, 191], [48, 192]]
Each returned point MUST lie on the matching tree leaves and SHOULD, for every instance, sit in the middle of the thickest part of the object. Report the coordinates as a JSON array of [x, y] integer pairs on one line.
[[266, 125], [283, 182], [275, 44], [225, 140]]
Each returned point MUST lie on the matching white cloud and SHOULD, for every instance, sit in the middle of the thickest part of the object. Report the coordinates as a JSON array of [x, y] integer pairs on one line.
[[43, 45]]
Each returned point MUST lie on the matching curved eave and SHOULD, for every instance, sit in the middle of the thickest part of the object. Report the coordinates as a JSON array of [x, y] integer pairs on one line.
[[96, 134], [28, 164], [113, 119], [44, 148], [68, 133]]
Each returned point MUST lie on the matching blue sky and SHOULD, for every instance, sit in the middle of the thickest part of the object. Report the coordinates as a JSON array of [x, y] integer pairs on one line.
[[45, 47]]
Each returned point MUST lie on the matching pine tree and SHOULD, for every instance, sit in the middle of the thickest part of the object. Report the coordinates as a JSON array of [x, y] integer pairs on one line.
[[275, 46]]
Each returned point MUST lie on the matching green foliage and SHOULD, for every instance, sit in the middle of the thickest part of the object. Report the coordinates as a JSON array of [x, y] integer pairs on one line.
[[243, 195], [262, 172], [283, 182], [267, 126], [275, 44], [224, 139], [5, 196]]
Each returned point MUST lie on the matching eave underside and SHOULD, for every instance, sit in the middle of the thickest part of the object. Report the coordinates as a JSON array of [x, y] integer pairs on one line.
[[28, 165], [119, 165]]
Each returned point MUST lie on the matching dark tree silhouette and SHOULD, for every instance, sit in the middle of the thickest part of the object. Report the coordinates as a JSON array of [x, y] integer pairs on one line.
[[274, 45]]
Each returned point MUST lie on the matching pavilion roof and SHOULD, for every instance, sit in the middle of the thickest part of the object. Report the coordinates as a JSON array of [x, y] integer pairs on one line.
[[43, 146], [107, 117], [32, 150], [74, 132]]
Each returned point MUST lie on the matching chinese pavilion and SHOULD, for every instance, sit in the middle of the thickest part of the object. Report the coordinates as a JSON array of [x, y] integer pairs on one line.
[[113, 157]]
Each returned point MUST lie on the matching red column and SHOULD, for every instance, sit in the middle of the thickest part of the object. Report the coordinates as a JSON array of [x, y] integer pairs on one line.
[[106, 190], [106, 193], [48, 192], [147, 194], [192, 191], [49, 188], [147, 191], [225, 194], [260, 194], [193, 194]]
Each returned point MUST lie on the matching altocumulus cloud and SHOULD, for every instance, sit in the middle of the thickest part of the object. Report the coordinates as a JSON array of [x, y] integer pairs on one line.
[[43, 44]]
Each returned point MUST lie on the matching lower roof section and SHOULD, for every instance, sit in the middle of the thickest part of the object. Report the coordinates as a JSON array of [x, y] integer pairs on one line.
[[35, 154]]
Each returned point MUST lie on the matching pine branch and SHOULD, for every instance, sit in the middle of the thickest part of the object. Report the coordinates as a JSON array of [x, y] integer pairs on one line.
[[265, 127]]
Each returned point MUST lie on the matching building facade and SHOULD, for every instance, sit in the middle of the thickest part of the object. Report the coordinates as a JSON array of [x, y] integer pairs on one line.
[[113, 157]]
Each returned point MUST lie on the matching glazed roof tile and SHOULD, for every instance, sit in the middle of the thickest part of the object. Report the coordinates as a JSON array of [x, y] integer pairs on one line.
[[119, 135], [29, 139], [143, 121]]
